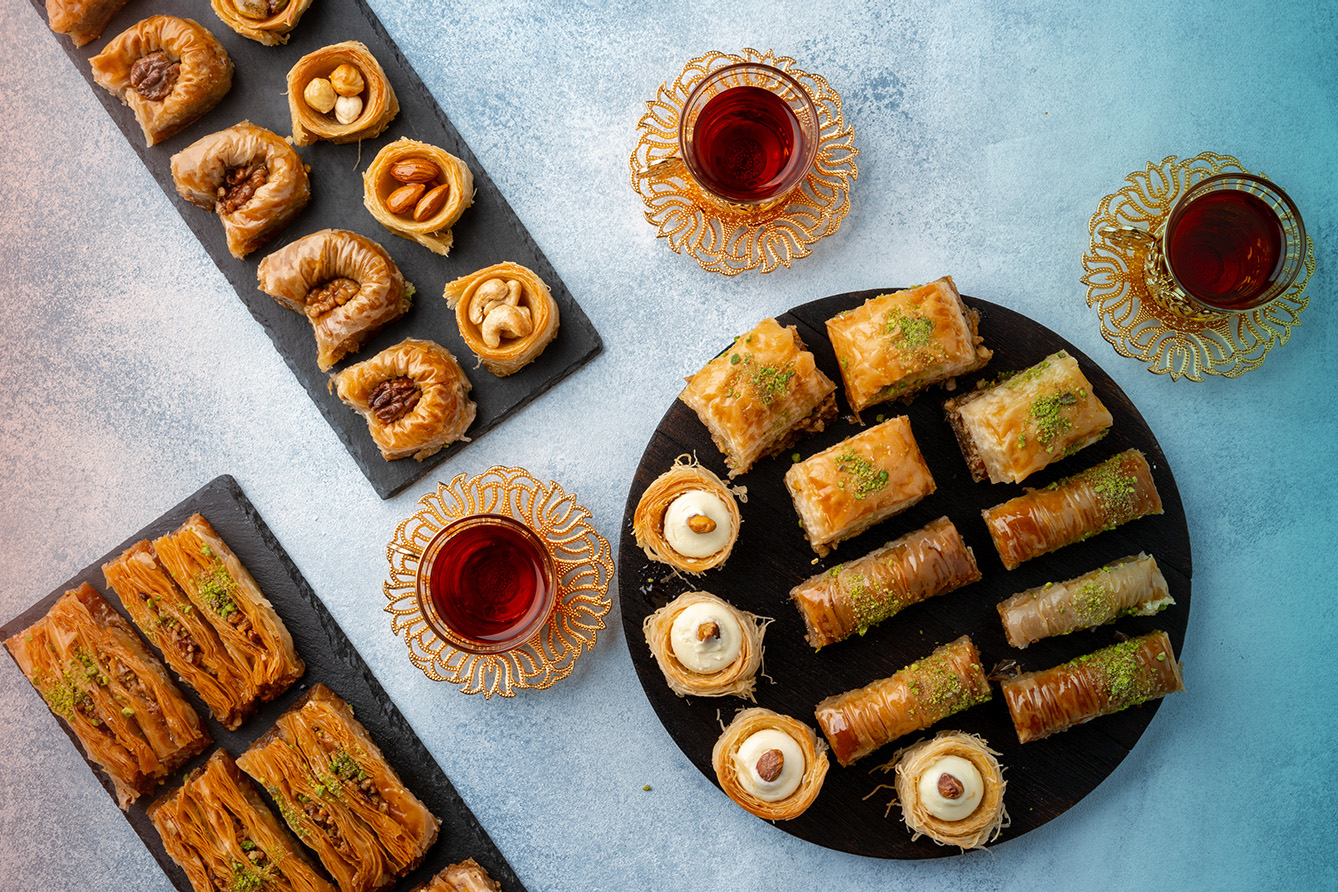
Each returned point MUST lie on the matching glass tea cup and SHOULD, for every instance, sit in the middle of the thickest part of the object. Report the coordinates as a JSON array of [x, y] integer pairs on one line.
[[486, 583]]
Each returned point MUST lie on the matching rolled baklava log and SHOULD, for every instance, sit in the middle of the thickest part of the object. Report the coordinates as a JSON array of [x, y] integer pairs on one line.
[[418, 192], [252, 178], [687, 518], [414, 396], [345, 283], [339, 93], [770, 764], [951, 789], [81, 20], [705, 646], [170, 71], [264, 21], [505, 314]]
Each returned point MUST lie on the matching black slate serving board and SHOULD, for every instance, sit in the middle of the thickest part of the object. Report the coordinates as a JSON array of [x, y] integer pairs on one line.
[[1046, 777], [489, 232], [330, 658]]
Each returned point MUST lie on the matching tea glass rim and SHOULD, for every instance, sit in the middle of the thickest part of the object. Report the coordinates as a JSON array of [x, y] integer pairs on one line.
[[801, 171], [428, 607]]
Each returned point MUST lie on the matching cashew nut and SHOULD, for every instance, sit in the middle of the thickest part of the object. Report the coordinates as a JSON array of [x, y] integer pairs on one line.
[[505, 320], [489, 294]]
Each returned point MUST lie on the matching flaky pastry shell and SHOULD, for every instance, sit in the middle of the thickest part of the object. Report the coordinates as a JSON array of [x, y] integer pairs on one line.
[[442, 413], [511, 354], [204, 78], [434, 232], [977, 829], [81, 20], [379, 105], [738, 679], [648, 520], [202, 169], [270, 31], [465, 876], [749, 722], [301, 276]]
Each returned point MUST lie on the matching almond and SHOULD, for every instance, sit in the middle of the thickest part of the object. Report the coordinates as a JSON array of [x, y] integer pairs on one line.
[[770, 765], [431, 204], [403, 199], [414, 170]]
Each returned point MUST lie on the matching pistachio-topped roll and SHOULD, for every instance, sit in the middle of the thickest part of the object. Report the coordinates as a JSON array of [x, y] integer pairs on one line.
[[705, 646], [770, 764], [687, 518]]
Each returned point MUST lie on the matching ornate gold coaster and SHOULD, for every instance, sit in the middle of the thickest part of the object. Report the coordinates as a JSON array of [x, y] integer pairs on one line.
[[584, 568], [728, 243], [1170, 339]]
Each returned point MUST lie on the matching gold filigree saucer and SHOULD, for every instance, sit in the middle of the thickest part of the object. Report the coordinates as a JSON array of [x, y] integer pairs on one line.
[[1172, 339], [730, 243], [581, 555]]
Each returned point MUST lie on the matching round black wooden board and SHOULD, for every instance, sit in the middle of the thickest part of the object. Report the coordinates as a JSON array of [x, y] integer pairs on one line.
[[1044, 778]]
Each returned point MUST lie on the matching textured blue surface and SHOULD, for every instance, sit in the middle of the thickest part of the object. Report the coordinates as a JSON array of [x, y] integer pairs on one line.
[[130, 374]]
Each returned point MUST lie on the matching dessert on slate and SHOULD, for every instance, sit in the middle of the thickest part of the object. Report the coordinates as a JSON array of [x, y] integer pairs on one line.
[[770, 764], [81, 20], [418, 192], [705, 646], [951, 788], [505, 314], [687, 518], [264, 21], [339, 93], [466, 876]]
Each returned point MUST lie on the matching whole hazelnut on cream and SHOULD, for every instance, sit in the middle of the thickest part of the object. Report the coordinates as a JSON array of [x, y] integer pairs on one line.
[[706, 639], [697, 524], [770, 765], [951, 788]]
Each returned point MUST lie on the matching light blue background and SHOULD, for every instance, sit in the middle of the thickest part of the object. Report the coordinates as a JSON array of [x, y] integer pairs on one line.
[[130, 374]]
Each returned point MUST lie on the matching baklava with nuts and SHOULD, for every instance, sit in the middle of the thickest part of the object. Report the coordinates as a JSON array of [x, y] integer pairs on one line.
[[770, 764], [418, 192], [81, 20], [951, 789], [505, 314], [340, 93], [705, 646], [687, 518], [264, 21], [466, 876]]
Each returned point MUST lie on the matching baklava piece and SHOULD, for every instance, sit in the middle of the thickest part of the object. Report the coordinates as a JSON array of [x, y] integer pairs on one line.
[[951, 789], [252, 178], [687, 518], [264, 21], [340, 93], [170, 71], [505, 314], [770, 764], [758, 396], [414, 396], [895, 345], [467, 876], [81, 20], [705, 646], [418, 192], [92, 670], [339, 795], [344, 283]]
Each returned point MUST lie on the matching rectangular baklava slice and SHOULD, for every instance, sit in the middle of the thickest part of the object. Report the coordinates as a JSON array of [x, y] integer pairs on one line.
[[93, 671], [849, 487], [226, 595], [223, 835], [339, 795], [895, 345], [758, 396]]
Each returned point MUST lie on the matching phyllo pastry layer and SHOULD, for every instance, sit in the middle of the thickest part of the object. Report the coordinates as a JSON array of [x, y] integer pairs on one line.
[[894, 345], [81, 20], [849, 487], [467, 876], [339, 794], [92, 670], [224, 592], [264, 21], [758, 396], [219, 830]]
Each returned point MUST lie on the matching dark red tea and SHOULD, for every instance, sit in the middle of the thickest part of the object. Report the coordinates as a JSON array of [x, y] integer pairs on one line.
[[746, 142], [488, 582], [1226, 248]]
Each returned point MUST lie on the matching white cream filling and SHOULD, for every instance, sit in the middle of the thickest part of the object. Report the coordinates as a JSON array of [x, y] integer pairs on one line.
[[751, 751], [941, 806], [682, 538], [715, 652]]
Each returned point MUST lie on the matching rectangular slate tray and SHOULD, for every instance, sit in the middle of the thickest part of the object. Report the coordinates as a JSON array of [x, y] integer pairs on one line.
[[330, 658], [488, 233]]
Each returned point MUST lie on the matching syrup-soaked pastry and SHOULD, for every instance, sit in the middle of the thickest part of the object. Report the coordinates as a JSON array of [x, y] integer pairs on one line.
[[1096, 684], [189, 643], [1010, 429], [705, 646], [847, 488], [895, 345], [947, 681], [170, 71], [1130, 586], [951, 789], [223, 591], [221, 833], [505, 314], [252, 178], [770, 764], [414, 396], [466, 876], [758, 396], [264, 21], [687, 518], [851, 598], [93, 671], [1118, 490], [418, 191], [368, 100], [340, 795], [81, 20], [345, 283]]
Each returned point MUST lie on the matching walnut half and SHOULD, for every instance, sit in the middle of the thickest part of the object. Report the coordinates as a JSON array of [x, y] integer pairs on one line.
[[394, 398]]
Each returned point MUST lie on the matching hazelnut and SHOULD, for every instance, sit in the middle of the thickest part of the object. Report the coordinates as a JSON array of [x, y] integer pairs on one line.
[[950, 787], [347, 80], [701, 524], [414, 170], [707, 631], [320, 95], [770, 765], [348, 109], [431, 204], [403, 199]]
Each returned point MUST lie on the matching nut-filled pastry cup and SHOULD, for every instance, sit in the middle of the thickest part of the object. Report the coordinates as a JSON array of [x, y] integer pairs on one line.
[[344, 283], [376, 105], [81, 20], [770, 764], [951, 789], [418, 191], [689, 506], [252, 178], [505, 314], [705, 646], [264, 21], [170, 71]]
